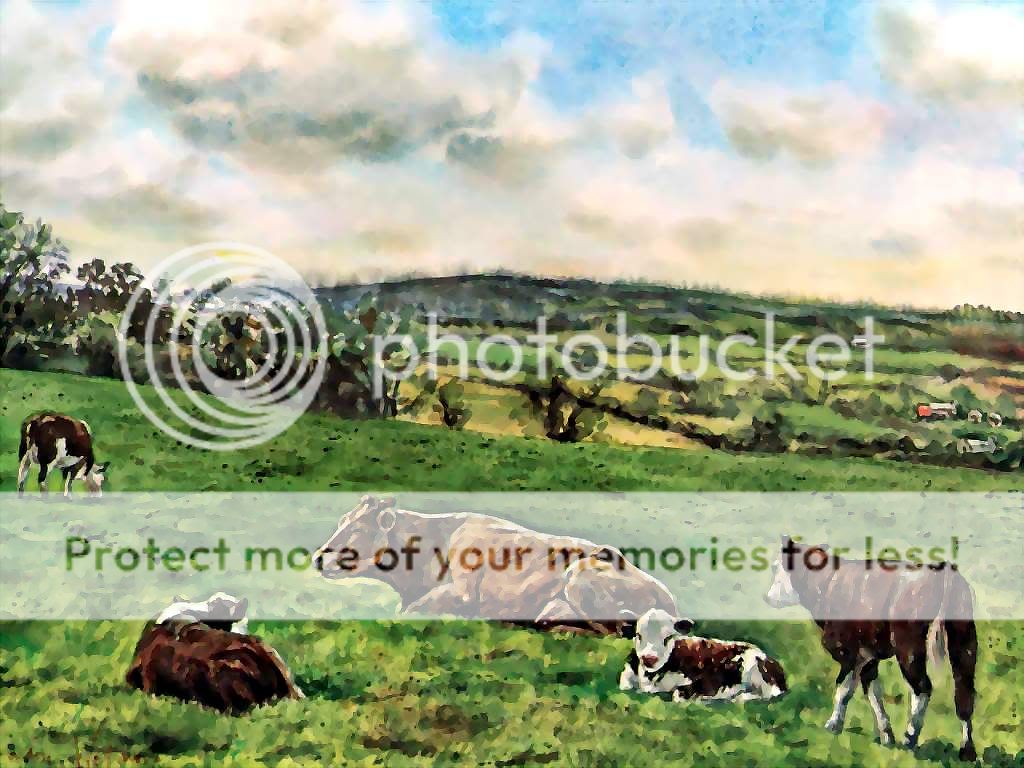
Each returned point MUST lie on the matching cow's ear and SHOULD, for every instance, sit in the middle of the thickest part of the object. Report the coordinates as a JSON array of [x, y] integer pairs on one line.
[[386, 518], [627, 624], [366, 499], [608, 555], [682, 626], [388, 502]]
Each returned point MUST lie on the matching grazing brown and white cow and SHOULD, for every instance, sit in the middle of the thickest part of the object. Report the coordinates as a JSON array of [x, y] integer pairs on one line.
[[665, 659], [868, 613], [478, 566], [56, 441], [192, 654]]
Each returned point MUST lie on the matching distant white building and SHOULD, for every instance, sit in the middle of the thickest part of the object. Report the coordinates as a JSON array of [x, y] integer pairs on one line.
[[967, 445]]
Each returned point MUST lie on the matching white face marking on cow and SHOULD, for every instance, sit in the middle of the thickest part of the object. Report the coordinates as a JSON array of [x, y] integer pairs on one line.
[[656, 635], [94, 479], [781, 593], [219, 606]]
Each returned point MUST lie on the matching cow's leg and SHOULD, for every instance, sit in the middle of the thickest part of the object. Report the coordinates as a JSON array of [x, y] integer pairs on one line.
[[873, 689], [43, 469], [846, 684], [23, 467], [962, 643], [71, 474], [628, 680], [45, 458], [448, 598], [912, 657], [559, 616]]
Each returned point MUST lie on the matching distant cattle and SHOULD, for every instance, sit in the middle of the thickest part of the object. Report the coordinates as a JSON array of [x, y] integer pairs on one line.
[[974, 416], [995, 420], [868, 613], [55, 441], [477, 566], [191, 654], [666, 659]]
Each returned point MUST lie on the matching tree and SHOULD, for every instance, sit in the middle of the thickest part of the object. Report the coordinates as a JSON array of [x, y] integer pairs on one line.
[[107, 289], [31, 264], [451, 405], [568, 414], [355, 382]]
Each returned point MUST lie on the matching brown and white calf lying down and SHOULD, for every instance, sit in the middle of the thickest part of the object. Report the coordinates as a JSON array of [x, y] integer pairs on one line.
[[191, 653], [667, 660], [54, 441]]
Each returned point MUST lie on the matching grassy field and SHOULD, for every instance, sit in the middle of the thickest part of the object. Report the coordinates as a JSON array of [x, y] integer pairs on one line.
[[448, 693], [427, 693], [321, 453]]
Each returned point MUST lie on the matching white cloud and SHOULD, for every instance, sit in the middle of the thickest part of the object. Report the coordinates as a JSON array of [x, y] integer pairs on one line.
[[969, 54], [296, 87], [813, 126], [358, 141], [643, 120], [50, 100]]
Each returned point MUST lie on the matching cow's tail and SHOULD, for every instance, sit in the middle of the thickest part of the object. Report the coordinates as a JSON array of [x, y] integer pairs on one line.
[[936, 642], [955, 612], [25, 440], [953, 629]]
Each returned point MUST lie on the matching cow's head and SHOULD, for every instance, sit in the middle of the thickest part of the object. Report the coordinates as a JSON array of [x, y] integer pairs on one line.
[[655, 635], [221, 606], [94, 478], [792, 558], [362, 532]]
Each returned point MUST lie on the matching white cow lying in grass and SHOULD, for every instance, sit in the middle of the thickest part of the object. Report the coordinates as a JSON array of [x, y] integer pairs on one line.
[[478, 566]]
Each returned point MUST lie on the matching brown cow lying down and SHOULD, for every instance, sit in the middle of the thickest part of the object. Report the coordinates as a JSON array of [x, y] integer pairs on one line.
[[665, 659], [184, 657]]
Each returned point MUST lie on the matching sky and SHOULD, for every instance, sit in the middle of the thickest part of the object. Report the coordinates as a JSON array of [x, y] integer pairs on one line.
[[814, 148]]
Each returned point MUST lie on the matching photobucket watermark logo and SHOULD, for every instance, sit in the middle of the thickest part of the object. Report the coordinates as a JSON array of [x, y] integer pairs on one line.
[[588, 356], [228, 320]]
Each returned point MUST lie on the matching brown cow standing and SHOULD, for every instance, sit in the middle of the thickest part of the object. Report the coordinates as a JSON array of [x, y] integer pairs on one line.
[[193, 661], [868, 612], [55, 441]]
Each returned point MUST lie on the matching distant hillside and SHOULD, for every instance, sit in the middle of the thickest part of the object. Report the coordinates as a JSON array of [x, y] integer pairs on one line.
[[519, 299]]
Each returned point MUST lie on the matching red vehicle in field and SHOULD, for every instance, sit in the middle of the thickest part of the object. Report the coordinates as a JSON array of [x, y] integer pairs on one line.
[[932, 411]]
